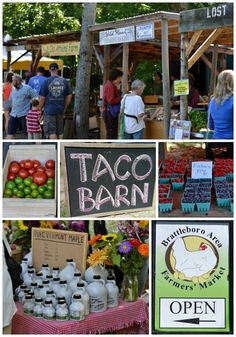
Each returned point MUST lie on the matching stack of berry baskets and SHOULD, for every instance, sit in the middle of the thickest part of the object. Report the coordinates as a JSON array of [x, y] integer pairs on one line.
[[165, 202], [224, 193]]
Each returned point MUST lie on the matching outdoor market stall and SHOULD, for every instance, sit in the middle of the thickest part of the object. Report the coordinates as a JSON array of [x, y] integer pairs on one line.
[[196, 179], [62, 294]]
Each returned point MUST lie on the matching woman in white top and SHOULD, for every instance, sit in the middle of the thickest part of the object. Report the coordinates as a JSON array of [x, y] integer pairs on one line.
[[9, 307], [133, 107]]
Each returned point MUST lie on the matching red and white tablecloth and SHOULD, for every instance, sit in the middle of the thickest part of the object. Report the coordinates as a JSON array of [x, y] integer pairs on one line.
[[126, 315]]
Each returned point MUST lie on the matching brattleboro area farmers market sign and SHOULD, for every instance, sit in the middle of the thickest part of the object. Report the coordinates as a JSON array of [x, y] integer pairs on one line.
[[108, 178], [192, 277]]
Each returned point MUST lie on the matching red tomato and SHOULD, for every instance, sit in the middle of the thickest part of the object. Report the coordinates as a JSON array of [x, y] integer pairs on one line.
[[14, 162], [40, 169], [28, 164], [31, 171], [36, 163], [23, 173], [22, 163], [39, 178], [14, 168], [11, 176], [50, 173], [50, 164]]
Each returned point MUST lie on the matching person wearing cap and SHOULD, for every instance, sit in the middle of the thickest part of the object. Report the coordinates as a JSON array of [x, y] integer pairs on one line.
[[55, 97], [36, 81], [20, 101]]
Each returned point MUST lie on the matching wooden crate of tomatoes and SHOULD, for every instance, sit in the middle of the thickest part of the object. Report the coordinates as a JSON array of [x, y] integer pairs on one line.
[[30, 181]]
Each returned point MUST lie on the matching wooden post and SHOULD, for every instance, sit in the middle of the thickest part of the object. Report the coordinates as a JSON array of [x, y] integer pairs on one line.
[[183, 74], [8, 60], [106, 63], [165, 76], [125, 68], [214, 69]]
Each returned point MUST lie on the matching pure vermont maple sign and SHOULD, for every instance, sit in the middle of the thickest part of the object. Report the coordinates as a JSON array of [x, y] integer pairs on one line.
[[193, 277], [108, 178]]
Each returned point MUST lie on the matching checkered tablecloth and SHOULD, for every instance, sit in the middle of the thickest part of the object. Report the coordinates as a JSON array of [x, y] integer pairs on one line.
[[127, 314]]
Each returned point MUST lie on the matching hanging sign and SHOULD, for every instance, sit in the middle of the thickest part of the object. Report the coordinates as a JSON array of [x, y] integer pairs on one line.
[[108, 178], [54, 246], [181, 87], [219, 15], [202, 170], [192, 277], [145, 31], [61, 49], [119, 35]]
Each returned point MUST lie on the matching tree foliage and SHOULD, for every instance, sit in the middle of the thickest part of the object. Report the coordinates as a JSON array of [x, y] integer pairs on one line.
[[26, 19]]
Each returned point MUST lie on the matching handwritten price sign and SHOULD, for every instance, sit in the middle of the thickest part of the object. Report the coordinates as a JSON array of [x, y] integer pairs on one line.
[[202, 169]]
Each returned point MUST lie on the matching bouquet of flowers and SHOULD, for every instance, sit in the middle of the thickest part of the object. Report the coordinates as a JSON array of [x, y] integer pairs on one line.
[[125, 249]]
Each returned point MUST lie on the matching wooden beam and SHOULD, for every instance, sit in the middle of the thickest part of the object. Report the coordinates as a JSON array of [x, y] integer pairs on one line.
[[207, 62], [116, 52], [193, 41], [36, 60], [125, 68], [214, 70], [184, 75], [106, 63], [165, 76], [99, 58], [193, 59]]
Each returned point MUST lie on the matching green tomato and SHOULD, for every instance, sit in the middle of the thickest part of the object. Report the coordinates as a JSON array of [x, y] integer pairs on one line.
[[20, 194], [21, 186], [42, 189], [7, 193], [40, 196], [51, 188], [18, 180], [10, 184], [34, 194], [28, 196], [33, 186], [27, 190], [50, 181], [28, 181], [48, 195], [15, 190]]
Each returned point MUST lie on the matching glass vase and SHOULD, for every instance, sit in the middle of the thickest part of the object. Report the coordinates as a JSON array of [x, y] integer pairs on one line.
[[130, 287]]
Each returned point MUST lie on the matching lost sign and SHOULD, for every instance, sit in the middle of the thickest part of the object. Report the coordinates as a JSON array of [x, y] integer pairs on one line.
[[106, 179]]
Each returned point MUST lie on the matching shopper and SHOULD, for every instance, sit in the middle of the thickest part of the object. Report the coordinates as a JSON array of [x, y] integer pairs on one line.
[[133, 107], [157, 84], [20, 100], [6, 91], [55, 97], [193, 96], [111, 103], [221, 107], [33, 119], [8, 301], [37, 81]]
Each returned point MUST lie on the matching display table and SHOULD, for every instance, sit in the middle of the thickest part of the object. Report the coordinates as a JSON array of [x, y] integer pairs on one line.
[[126, 315]]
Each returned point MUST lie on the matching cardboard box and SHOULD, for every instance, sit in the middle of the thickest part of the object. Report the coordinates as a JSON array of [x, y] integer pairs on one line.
[[29, 208]]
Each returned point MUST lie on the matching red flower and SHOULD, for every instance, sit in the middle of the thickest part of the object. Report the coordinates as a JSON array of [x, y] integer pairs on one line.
[[135, 242]]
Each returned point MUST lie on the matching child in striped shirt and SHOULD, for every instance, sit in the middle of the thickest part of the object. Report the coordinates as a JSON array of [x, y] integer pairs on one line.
[[33, 119]]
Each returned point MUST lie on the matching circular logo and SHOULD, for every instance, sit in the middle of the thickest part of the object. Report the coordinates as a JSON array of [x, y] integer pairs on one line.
[[56, 87], [192, 258]]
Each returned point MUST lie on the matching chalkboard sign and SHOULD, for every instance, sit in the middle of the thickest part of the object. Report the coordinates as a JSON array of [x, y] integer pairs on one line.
[[108, 178], [219, 15]]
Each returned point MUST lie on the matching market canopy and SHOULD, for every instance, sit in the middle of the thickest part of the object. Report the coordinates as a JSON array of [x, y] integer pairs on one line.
[[25, 61]]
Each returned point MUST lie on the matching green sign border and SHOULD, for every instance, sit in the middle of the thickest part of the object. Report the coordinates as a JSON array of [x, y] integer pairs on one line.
[[230, 277]]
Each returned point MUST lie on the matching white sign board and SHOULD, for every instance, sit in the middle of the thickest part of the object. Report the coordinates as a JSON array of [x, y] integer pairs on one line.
[[178, 312], [119, 35], [145, 31], [178, 134], [202, 169]]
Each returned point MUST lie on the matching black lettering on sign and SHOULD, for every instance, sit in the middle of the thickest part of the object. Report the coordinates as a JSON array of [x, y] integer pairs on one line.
[[219, 15], [107, 179]]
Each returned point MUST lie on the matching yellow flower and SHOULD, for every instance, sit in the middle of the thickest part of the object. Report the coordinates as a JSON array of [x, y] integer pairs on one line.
[[21, 226], [46, 224], [143, 223], [109, 237], [99, 256]]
